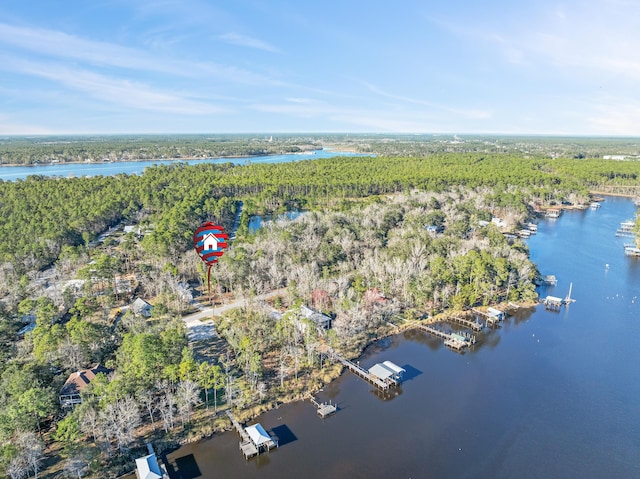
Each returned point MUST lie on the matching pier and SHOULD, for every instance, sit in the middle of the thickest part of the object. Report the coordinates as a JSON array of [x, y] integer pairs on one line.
[[553, 213], [453, 341], [626, 229], [631, 250], [323, 409], [467, 323], [254, 438], [491, 318], [553, 303], [363, 373]]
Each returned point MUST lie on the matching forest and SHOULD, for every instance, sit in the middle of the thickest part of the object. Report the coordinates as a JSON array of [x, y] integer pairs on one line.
[[44, 150], [376, 240]]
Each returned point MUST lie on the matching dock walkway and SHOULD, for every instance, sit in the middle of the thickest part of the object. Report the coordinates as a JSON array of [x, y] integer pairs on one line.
[[489, 319], [449, 339], [247, 446], [363, 373], [323, 409], [465, 322]]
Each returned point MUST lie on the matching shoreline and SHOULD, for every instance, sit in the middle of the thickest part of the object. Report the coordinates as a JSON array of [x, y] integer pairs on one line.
[[335, 370], [139, 160]]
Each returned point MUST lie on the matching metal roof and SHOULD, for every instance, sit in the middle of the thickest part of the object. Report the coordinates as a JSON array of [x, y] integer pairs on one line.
[[386, 370], [148, 467], [258, 435]]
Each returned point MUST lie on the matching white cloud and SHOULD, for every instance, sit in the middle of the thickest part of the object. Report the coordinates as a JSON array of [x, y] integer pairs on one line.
[[245, 41], [64, 46], [116, 91]]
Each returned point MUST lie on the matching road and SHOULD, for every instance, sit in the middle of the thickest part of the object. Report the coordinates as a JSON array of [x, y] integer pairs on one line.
[[201, 325]]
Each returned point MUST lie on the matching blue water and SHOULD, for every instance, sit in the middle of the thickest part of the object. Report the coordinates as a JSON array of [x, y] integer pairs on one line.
[[548, 395], [12, 173], [256, 221]]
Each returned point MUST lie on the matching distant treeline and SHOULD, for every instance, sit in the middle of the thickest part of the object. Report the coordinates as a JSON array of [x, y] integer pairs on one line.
[[40, 215], [43, 150]]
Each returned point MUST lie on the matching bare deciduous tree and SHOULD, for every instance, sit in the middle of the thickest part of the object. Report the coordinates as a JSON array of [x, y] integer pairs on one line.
[[187, 396]]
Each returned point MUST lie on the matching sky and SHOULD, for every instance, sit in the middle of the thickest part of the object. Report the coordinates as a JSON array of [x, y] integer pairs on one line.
[[276, 66]]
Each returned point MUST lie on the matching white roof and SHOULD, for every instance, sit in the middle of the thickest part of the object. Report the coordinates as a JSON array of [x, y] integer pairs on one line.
[[394, 367], [258, 435], [385, 370], [148, 467]]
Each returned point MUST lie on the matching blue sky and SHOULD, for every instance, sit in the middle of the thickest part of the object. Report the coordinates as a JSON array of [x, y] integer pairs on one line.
[[239, 66]]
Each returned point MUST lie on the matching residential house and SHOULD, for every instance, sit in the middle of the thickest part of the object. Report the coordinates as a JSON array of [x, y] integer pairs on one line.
[[141, 307], [322, 321], [76, 382]]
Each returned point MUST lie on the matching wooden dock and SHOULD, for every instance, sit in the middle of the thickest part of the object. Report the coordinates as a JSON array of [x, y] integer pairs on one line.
[[363, 373], [247, 446], [450, 340], [489, 319], [323, 409], [552, 303], [467, 323], [238, 426]]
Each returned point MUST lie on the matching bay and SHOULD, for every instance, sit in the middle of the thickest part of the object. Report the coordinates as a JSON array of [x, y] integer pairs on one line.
[[13, 173], [549, 394]]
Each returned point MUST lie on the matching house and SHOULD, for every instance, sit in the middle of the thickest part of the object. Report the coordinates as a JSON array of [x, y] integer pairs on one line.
[[322, 321], [499, 222], [141, 307], [372, 296], [76, 382], [210, 242]]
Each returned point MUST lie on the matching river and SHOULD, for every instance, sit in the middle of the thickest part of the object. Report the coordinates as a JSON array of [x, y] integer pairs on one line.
[[12, 173], [548, 395]]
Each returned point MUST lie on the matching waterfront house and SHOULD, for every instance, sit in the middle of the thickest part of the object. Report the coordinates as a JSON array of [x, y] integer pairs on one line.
[[76, 382]]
